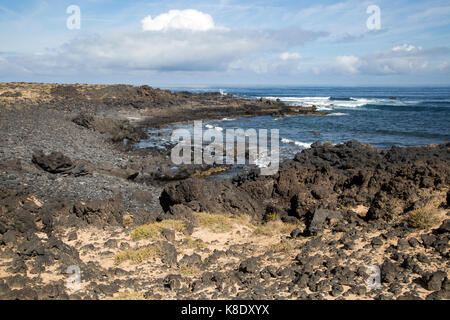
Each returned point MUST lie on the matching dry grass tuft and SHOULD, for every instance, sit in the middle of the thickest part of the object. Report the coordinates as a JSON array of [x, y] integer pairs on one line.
[[221, 223], [284, 246], [272, 228], [189, 243], [139, 255], [127, 221], [271, 216], [190, 271], [153, 230], [422, 218]]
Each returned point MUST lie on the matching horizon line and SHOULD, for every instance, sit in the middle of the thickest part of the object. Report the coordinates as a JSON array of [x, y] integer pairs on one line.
[[240, 85]]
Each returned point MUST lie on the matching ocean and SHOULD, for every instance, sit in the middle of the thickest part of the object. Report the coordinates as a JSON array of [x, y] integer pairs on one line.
[[383, 117]]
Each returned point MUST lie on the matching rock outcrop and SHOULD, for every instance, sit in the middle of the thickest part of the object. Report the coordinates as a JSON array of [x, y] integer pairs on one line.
[[389, 183]]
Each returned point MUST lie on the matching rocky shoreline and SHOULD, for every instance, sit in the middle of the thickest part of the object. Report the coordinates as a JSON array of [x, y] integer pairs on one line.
[[74, 192]]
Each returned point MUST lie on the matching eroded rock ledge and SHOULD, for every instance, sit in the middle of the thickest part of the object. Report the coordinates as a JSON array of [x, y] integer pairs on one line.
[[390, 183]]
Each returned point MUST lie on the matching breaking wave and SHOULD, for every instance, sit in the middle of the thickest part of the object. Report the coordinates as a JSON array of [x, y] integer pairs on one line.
[[305, 145]]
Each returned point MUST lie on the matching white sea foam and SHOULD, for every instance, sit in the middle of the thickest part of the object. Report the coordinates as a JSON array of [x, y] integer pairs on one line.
[[337, 114], [327, 103], [305, 145], [208, 126], [262, 162]]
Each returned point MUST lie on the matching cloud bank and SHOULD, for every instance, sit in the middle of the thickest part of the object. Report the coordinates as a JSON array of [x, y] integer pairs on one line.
[[189, 41], [405, 59], [179, 20], [179, 40]]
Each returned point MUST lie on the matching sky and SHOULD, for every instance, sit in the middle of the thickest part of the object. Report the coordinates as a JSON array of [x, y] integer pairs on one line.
[[226, 42]]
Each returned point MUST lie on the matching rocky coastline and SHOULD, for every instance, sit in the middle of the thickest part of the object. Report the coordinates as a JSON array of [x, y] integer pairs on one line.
[[75, 192]]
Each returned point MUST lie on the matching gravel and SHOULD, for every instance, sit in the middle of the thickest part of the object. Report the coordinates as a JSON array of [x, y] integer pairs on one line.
[[25, 130]]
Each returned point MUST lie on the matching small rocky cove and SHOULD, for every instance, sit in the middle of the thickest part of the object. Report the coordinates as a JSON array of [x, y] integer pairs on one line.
[[75, 191]]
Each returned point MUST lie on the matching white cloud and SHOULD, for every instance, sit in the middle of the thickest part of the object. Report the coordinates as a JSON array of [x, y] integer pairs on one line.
[[189, 19], [406, 48], [172, 50], [177, 40], [348, 64], [290, 56], [405, 59]]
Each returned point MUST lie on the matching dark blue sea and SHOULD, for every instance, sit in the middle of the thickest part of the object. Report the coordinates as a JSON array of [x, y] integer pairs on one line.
[[382, 117]]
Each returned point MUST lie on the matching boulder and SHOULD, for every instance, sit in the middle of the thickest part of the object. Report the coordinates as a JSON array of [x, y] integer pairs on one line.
[[433, 281], [296, 233], [169, 253], [168, 234], [9, 236], [55, 162], [191, 260], [210, 196], [249, 266], [444, 227], [100, 212], [389, 271], [172, 281], [448, 198], [83, 120], [317, 222]]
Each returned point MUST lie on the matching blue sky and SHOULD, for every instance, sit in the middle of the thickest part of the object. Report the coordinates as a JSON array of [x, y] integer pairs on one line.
[[226, 42]]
